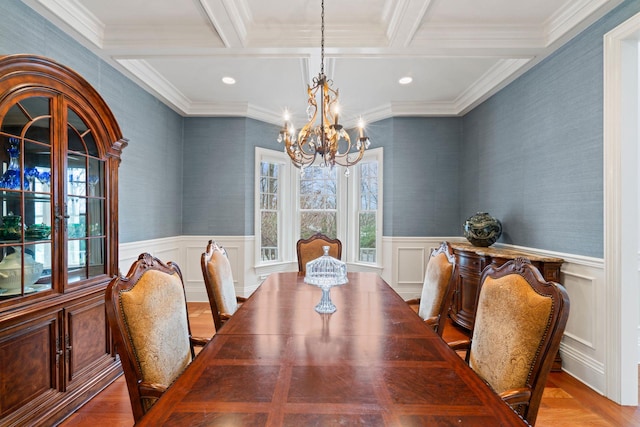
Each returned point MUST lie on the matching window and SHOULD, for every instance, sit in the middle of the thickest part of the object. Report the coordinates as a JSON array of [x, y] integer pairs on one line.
[[368, 212], [318, 202], [271, 173], [324, 201]]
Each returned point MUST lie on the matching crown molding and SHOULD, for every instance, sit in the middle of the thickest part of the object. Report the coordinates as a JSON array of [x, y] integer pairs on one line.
[[572, 17], [156, 83], [72, 14], [489, 83]]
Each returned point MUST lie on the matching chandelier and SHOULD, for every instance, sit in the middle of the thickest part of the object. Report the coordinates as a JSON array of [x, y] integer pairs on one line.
[[328, 140]]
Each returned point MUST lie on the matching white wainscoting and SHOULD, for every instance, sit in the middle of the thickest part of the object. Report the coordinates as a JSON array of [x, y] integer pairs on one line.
[[404, 263], [186, 251]]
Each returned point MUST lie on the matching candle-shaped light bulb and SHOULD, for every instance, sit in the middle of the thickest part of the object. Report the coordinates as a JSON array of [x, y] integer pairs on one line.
[[287, 116], [336, 113], [361, 127]]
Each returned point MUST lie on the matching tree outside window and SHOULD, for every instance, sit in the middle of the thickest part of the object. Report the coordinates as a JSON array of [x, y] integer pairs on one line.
[[269, 210], [318, 202]]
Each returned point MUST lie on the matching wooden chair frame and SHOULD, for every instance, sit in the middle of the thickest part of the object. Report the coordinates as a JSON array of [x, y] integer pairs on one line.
[[300, 245], [219, 318], [438, 322], [526, 400], [138, 389]]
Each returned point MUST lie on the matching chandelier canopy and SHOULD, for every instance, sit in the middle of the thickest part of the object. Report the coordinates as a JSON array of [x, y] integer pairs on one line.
[[329, 139]]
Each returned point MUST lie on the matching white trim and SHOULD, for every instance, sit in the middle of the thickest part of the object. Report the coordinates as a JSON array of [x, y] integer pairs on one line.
[[284, 233], [620, 211], [353, 188]]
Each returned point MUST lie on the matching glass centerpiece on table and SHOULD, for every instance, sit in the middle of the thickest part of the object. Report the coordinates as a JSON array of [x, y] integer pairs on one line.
[[326, 272]]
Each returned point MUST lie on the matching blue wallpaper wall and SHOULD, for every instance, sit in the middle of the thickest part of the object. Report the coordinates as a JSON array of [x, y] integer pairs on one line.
[[532, 154], [219, 174], [423, 192], [151, 169]]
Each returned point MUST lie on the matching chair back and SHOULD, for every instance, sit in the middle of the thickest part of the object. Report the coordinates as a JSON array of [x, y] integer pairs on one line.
[[519, 322], [311, 248], [438, 286], [218, 280], [147, 312]]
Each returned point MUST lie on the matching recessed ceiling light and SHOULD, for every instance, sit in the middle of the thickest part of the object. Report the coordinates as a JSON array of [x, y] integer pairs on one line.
[[228, 80], [405, 80]]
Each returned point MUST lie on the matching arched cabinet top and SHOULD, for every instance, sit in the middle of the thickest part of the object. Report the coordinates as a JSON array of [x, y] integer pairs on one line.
[[22, 73]]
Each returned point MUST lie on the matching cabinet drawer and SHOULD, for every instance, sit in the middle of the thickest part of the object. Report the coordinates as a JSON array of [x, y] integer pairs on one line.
[[470, 262]]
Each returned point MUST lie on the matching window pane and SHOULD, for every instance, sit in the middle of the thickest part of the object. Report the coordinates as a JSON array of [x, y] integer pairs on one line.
[[269, 211], [269, 236], [318, 201], [367, 242], [318, 222], [367, 215], [369, 186]]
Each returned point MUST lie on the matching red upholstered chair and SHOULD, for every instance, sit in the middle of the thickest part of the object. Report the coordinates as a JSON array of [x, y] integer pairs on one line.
[[516, 333], [218, 280], [311, 248], [147, 312], [437, 289]]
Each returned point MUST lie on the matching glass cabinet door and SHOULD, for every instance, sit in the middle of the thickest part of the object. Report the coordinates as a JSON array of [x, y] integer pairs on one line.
[[85, 204], [26, 198], [35, 212]]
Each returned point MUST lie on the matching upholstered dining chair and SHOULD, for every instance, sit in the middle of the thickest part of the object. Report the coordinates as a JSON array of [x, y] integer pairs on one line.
[[437, 289], [218, 280], [311, 248], [516, 333], [147, 312]]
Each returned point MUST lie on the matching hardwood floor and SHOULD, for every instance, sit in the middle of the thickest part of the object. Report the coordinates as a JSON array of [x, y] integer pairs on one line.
[[566, 402]]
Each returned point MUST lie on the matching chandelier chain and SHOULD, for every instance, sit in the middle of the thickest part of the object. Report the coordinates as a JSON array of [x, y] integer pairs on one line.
[[322, 42]]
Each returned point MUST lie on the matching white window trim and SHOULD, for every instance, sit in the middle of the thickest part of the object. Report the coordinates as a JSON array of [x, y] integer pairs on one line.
[[376, 154], [289, 226], [284, 233]]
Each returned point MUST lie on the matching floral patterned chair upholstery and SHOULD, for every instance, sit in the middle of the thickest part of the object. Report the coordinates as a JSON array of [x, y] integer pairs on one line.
[[516, 333], [437, 289], [147, 312], [218, 280]]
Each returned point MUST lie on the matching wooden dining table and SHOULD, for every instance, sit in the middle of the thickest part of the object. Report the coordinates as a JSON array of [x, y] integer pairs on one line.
[[373, 362]]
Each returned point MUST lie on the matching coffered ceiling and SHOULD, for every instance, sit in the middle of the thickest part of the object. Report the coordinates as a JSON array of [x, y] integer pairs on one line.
[[458, 52]]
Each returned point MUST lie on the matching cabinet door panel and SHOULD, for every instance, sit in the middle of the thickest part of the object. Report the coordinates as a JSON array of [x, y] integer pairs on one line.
[[86, 338], [28, 362]]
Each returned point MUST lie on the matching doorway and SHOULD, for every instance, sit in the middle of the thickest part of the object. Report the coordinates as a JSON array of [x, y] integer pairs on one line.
[[622, 306]]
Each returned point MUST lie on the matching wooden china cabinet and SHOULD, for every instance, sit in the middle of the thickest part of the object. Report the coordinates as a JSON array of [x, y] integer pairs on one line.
[[60, 150]]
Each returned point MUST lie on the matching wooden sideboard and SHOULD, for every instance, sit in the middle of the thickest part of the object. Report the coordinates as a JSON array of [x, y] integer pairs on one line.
[[471, 260]]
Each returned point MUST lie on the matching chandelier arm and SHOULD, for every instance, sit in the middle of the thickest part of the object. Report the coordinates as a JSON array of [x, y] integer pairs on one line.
[[344, 160]]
